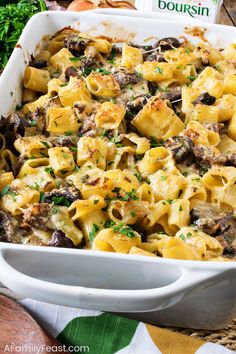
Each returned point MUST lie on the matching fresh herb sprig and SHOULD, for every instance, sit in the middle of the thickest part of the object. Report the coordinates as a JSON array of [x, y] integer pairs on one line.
[[13, 18]]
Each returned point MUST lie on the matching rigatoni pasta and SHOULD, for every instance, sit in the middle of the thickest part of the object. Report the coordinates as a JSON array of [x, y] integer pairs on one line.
[[126, 148]]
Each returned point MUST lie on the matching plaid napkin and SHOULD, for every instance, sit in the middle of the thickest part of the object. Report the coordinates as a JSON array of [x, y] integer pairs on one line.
[[104, 333]]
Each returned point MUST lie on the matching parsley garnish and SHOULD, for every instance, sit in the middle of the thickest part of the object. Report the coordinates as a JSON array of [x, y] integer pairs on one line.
[[181, 207], [33, 123], [5, 190], [61, 201], [158, 70], [182, 237], [131, 195], [50, 171], [189, 235], [68, 132], [45, 143], [133, 213], [102, 71], [55, 210], [112, 57], [154, 143], [124, 230], [93, 232], [41, 198], [163, 178], [187, 50], [109, 223], [192, 78], [203, 170], [116, 140], [75, 59]]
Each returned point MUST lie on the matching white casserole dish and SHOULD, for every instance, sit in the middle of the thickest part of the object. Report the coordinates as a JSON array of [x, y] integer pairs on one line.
[[161, 291]]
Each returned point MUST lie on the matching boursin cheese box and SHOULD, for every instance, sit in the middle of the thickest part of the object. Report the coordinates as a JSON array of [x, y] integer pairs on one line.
[[205, 10]]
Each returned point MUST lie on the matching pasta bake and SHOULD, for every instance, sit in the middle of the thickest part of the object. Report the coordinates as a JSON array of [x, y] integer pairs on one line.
[[126, 148]]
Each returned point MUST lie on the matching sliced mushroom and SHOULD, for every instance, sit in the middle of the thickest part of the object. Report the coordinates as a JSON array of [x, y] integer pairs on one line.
[[181, 148], [6, 228], [135, 105], [13, 127], [125, 79], [204, 98], [39, 64], [63, 196], [38, 216], [76, 44], [59, 239], [205, 156], [167, 43]]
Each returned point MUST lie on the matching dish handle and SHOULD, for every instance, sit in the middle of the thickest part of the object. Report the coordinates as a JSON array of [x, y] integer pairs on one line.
[[112, 300]]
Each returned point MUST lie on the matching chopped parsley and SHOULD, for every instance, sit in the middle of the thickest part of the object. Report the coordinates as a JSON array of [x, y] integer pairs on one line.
[[187, 50], [182, 237], [42, 197], [102, 71], [124, 230], [158, 70], [131, 195], [154, 143], [55, 210], [5, 190], [45, 143], [109, 223], [75, 59], [68, 132], [116, 140], [163, 178], [61, 201], [189, 235], [32, 123], [138, 157], [133, 214], [112, 58], [203, 170], [197, 179], [192, 78], [73, 148], [93, 232], [50, 171], [181, 207], [138, 176]]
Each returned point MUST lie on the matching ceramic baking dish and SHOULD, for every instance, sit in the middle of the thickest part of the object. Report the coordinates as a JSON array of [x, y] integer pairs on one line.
[[161, 291]]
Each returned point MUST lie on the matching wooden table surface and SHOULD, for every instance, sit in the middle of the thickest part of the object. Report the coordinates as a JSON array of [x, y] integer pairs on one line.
[[228, 13]]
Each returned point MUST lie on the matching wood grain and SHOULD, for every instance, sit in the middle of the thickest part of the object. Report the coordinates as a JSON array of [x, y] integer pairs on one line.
[[18, 327], [230, 8]]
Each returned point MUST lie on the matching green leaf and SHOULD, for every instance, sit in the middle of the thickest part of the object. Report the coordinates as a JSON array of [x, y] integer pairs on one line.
[[61, 201], [109, 223], [102, 71], [13, 18], [124, 230], [158, 70], [103, 334], [93, 232], [45, 143], [41, 198], [5, 190]]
